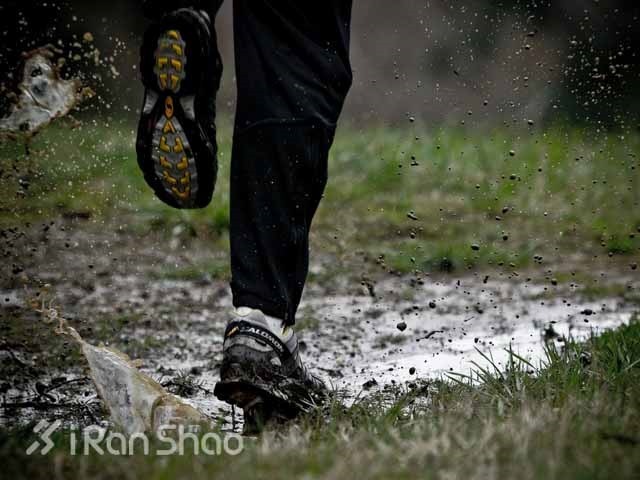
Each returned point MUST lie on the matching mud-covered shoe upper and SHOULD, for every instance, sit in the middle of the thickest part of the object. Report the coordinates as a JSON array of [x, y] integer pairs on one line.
[[252, 331]]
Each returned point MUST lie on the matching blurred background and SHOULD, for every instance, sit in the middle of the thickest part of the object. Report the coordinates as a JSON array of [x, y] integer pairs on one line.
[[481, 62], [510, 126]]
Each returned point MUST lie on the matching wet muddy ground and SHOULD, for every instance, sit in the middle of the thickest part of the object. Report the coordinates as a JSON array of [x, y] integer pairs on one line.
[[360, 336]]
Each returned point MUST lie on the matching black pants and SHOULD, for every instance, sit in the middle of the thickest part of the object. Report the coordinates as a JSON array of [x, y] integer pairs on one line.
[[293, 74]]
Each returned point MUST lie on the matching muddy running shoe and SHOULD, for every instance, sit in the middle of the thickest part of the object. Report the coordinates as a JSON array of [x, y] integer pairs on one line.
[[262, 372], [176, 146]]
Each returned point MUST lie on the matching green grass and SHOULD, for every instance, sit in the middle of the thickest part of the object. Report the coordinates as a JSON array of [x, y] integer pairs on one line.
[[574, 416], [563, 192], [93, 170]]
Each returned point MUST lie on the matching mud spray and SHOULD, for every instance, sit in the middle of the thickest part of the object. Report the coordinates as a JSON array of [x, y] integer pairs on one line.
[[43, 95], [136, 403]]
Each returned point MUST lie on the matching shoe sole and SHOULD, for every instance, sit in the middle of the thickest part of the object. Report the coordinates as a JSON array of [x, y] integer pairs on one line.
[[173, 159], [176, 151]]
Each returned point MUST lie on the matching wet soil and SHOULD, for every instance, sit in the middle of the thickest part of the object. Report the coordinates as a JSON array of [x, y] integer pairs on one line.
[[117, 285]]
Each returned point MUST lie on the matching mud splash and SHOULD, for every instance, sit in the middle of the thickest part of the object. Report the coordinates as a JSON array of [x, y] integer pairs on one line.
[[136, 402], [43, 95]]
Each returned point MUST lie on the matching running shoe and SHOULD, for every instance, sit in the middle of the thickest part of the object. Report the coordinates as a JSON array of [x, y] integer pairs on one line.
[[262, 371], [176, 144]]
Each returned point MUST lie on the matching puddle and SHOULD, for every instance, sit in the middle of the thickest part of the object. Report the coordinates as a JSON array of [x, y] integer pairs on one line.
[[446, 337]]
